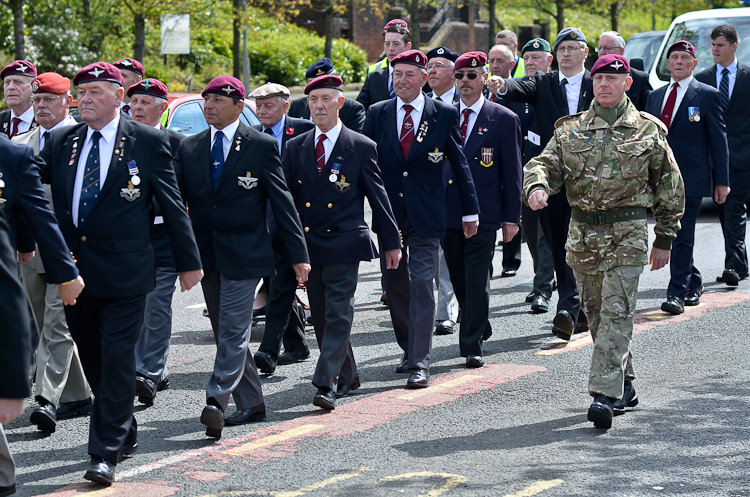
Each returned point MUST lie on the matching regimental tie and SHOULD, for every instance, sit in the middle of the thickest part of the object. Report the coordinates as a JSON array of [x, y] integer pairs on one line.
[[724, 89], [90, 183], [465, 126], [14, 129], [666, 113], [217, 158], [406, 138], [320, 153]]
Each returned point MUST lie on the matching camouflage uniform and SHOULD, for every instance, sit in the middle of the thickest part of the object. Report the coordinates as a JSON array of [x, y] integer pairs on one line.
[[611, 174]]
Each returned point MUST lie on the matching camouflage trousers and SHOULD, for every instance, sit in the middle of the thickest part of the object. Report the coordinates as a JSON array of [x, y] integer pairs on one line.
[[609, 299]]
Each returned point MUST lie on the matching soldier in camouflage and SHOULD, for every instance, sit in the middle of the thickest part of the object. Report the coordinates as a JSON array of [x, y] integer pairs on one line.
[[615, 163]]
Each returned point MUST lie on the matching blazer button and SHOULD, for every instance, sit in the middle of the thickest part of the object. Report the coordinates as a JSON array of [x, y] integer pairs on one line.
[[328, 231], [307, 204], [401, 195], [330, 205], [450, 181], [299, 181], [67, 212], [307, 229], [83, 238], [406, 173]]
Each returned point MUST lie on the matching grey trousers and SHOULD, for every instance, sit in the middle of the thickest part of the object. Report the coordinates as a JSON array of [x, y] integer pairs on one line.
[[7, 464], [59, 374], [230, 304], [152, 347]]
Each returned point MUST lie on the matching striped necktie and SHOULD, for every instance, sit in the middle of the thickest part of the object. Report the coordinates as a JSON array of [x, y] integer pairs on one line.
[[90, 183], [724, 89]]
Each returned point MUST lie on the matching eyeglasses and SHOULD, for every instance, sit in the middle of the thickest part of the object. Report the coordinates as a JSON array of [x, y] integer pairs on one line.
[[438, 66], [45, 99], [607, 49], [569, 49], [469, 75]]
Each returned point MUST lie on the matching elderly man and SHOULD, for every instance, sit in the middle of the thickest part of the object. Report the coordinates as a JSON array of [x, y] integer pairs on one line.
[[148, 101], [59, 375], [330, 172], [16, 78], [132, 72], [228, 174], [379, 84], [104, 173], [612, 42], [510, 39], [415, 135], [285, 318], [615, 163]]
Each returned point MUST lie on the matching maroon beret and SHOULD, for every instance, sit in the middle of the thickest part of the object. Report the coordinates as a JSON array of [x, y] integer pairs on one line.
[[471, 59], [611, 64], [682, 46], [19, 67], [413, 57], [395, 22], [149, 86], [326, 81], [98, 71], [227, 86], [50, 82], [132, 65]]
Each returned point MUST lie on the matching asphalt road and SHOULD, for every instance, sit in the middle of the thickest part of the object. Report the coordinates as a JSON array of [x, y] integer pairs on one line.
[[516, 427]]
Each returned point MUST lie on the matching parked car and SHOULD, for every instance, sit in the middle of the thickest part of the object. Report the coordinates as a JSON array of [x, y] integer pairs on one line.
[[644, 46]]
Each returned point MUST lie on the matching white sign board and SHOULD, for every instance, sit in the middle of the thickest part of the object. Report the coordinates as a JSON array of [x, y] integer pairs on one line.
[[175, 34]]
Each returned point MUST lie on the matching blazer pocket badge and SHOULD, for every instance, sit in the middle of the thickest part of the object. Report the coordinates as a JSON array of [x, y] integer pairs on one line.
[[247, 182], [435, 156], [694, 114], [487, 157], [342, 186], [131, 192]]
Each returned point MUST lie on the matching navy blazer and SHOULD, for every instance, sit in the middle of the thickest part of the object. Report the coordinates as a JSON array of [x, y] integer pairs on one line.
[[113, 249], [700, 147], [5, 123], [23, 200], [415, 185], [352, 114], [493, 150], [333, 212], [375, 88], [230, 223], [736, 116]]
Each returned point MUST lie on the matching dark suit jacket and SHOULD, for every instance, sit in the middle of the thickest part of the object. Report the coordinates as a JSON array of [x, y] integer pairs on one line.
[[25, 204], [415, 186], [375, 88], [352, 114], [113, 248], [699, 147], [333, 213], [493, 150], [5, 124], [14, 323], [230, 223], [543, 92], [640, 88], [736, 116]]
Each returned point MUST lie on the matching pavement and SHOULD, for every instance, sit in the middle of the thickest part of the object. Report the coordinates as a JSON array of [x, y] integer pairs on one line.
[[516, 427]]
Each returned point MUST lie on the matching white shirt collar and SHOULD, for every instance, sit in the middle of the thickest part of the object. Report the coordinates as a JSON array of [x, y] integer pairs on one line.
[[447, 95], [572, 80], [684, 83], [68, 121], [27, 116], [332, 134], [732, 67], [108, 132], [476, 106], [229, 130], [417, 103]]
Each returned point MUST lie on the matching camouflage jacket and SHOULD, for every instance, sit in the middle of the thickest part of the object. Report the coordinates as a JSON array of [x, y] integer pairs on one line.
[[603, 167]]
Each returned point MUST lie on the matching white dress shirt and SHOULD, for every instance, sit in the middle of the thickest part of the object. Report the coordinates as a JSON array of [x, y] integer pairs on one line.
[[680, 94], [475, 107], [68, 121], [332, 136], [416, 112], [229, 131], [26, 119], [732, 75], [572, 90], [446, 97]]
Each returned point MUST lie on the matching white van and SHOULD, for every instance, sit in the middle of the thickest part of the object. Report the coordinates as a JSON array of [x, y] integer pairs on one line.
[[696, 28]]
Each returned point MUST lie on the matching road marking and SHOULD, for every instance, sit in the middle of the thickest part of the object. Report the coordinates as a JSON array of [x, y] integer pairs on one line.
[[536, 488], [273, 439], [118, 489], [196, 306], [324, 483], [652, 318], [451, 481], [443, 386]]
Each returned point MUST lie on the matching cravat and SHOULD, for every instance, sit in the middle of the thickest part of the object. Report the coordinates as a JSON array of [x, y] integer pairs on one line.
[[217, 158], [90, 183], [724, 88], [126, 109], [14, 130], [465, 126], [320, 153], [390, 87], [406, 138], [666, 114]]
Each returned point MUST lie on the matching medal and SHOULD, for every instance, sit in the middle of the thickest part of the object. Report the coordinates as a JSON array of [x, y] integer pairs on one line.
[[335, 171], [136, 180], [694, 114], [2, 184], [332, 178]]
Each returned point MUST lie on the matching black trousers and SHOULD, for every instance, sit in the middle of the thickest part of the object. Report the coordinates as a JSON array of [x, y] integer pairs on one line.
[[512, 251], [105, 331], [541, 255], [733, 217]]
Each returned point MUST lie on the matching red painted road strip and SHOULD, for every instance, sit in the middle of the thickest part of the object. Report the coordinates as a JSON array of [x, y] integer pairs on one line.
[[283, 439]]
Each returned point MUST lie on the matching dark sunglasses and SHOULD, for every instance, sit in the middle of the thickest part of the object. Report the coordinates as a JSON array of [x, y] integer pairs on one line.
[[469, 75]]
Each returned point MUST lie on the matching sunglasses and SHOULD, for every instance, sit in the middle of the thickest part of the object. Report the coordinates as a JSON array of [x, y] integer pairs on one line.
[[469, 75]]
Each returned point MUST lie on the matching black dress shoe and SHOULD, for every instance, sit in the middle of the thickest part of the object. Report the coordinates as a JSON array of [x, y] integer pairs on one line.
[[213, 418], [384, 298], [530, 297], [540, 304], [563, 325], [44, 417], [508, 273], [100, 471], [325, 398], [7, 490], [264, 362], [629, 399], [601, 411], [403, 366], [145, 388], [418, 378], [731, 277], [291, 358], [244, 416], [693, 297], [163, 384], [343, 389], [673, 305], [474, 361], [445, 327], [67, 410]]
